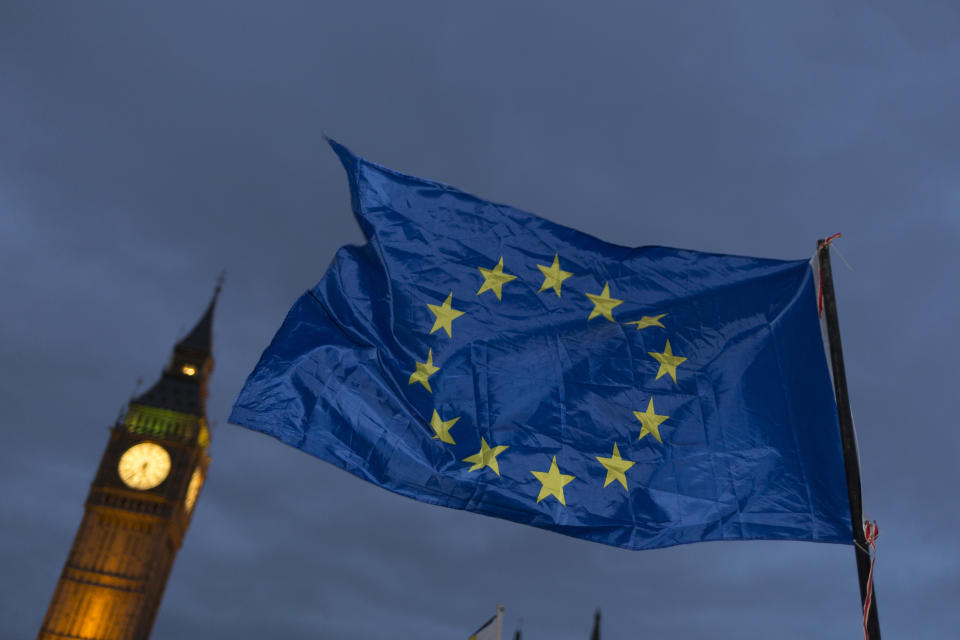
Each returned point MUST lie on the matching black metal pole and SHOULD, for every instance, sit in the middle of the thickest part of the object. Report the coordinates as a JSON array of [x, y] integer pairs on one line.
[[850, 457]]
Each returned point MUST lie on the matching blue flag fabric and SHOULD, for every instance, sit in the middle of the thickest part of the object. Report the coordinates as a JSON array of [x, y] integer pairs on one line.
[[479, 357]]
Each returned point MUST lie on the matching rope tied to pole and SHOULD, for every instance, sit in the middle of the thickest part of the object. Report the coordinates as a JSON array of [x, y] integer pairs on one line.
[[825, 246], [870, 531]]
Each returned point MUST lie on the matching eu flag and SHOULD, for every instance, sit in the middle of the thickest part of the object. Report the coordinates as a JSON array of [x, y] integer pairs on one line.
[[479, 357]]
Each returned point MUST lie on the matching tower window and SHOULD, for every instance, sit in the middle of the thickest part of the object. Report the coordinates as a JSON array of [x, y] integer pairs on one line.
[[188, 369]]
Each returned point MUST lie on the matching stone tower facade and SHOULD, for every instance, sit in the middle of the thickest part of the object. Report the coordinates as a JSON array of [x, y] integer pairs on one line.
[[140, 504]]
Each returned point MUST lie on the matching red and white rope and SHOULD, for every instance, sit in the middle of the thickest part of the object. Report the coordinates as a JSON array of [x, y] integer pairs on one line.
[[870, 532], [824, 247]]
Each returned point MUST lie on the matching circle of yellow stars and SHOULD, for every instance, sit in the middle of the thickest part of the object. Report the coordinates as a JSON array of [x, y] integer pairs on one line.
[[552, 481]]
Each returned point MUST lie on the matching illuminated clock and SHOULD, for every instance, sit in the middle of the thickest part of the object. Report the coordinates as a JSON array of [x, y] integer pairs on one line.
[[193, 489], [144, 466]]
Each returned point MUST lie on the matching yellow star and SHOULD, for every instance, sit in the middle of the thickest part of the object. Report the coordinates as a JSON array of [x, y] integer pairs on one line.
[[445, 314], [442, 428], [616, 467], [668, 362], [424, 371], [650, 421], [553, 276], [648, 321], [486, 457], [494, 279], [552, 482], [603, 304]]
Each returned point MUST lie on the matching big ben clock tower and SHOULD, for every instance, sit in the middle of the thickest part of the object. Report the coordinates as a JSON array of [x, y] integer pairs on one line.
[[140, 504]]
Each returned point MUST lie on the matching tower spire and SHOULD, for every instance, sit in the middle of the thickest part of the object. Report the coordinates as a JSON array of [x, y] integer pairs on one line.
[[200, 337], [183, 385]]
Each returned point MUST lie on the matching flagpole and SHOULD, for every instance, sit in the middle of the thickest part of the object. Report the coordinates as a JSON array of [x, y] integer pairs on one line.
[[850, 457]]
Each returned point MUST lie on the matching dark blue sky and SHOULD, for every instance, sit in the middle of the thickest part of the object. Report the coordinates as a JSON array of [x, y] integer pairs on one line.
[[143, 149]]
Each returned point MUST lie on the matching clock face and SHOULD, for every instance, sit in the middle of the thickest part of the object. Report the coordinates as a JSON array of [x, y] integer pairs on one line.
[[143, 466], [193, 489]]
